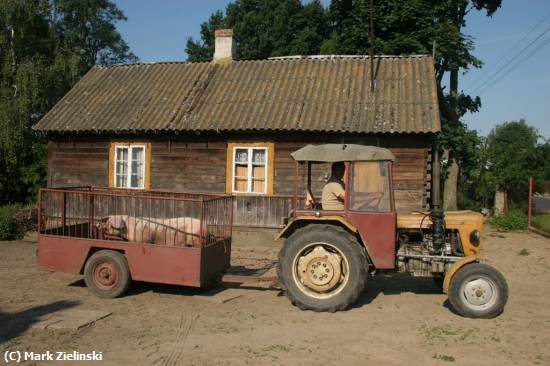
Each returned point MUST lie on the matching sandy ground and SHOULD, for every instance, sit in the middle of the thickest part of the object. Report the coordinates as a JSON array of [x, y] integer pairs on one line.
[[398, 321]]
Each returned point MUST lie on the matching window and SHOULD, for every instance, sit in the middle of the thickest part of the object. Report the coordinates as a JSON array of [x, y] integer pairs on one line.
[[370, 189], [250, 168], [129, 165]]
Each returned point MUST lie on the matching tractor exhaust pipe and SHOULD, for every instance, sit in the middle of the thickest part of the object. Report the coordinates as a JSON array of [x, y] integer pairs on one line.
[[436, 212]]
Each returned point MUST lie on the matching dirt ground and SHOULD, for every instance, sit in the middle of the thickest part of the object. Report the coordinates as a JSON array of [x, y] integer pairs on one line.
[[399, 320]]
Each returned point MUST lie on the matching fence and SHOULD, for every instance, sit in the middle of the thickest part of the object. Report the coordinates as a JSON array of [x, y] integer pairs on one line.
[[156, 217], [538, 214], [261, 211]]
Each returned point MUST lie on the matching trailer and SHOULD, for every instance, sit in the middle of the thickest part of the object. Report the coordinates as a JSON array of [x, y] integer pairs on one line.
[[113, 236]]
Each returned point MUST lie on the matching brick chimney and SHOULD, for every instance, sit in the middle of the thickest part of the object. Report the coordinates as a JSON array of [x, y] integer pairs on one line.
[[225, 48]]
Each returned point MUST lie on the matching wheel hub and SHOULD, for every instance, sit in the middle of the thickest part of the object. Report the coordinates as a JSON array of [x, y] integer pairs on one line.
[[478, 292], [105, 275], [320, 269]]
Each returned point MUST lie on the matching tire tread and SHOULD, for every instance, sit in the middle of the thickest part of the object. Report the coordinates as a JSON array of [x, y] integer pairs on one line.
[[323, 229], [466, 271]]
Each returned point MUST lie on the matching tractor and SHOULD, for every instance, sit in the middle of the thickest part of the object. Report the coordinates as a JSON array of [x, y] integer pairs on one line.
[[328, 255]]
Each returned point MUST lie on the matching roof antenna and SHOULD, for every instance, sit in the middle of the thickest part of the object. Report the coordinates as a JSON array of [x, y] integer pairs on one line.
[[371, 36]]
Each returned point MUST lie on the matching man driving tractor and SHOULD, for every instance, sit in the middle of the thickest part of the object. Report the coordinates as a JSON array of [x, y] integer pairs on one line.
[[334, 190]]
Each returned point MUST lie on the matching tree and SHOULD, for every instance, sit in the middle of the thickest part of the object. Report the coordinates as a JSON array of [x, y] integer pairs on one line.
[[88, 29], [513, 154], [45, 46], [265, 28]]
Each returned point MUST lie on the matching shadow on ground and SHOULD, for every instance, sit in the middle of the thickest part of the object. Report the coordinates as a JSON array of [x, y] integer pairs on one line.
[[396, 284], [388, 284], [15, 324]]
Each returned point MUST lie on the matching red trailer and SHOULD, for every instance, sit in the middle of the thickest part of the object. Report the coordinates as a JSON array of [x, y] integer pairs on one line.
[[113, 236]]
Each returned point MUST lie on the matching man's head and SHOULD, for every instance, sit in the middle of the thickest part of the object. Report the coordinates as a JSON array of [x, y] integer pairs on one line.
[[337, 169]]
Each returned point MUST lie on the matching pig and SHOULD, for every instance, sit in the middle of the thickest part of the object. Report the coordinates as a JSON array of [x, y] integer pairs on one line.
[[177, 231]]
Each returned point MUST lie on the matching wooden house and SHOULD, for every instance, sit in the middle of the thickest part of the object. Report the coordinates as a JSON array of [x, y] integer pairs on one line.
[[230, 125]]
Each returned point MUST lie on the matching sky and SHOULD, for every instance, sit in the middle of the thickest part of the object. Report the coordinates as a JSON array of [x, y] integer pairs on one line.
[[157, 30]]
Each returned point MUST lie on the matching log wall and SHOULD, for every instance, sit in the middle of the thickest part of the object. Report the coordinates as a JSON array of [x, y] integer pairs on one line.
[[198, 164]]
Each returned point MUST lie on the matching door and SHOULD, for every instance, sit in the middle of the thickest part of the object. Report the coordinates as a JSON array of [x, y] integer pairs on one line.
[[370, 208]]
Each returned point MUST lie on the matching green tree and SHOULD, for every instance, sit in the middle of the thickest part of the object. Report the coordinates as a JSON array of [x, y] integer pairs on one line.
[[88, 29], [265, 28], [513, 154], [45, 46]]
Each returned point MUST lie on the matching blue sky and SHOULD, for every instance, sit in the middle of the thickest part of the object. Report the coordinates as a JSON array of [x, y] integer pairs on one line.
[[157, 31]]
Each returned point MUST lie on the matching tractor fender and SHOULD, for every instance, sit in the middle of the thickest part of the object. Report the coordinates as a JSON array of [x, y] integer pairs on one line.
[[455, 267], [299, 221]]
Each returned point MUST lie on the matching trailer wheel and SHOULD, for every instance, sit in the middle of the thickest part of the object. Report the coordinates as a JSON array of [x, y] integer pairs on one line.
[[478, 290], [106, 274], [322, 267]]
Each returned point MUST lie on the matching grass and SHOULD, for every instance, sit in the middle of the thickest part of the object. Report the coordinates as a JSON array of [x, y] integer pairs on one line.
[[447, 332], [523, 252], [512, 221], [444, 358], [276, 347], [541, 222]]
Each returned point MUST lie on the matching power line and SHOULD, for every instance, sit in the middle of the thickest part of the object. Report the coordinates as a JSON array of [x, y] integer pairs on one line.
[[535, 51], [520, 53], [510, 50]]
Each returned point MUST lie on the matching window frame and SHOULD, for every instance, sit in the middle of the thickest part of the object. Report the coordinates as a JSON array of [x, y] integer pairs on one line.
[[351, 195], [232, 148], [146, 167]]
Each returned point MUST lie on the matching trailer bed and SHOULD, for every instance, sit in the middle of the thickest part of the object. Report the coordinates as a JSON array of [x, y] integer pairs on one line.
[[72, 228]]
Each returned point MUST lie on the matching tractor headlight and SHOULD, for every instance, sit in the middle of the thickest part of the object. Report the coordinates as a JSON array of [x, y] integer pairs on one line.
[[475, 237]]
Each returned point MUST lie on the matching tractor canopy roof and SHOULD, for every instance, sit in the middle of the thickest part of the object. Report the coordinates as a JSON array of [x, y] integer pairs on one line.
[[341, 152]]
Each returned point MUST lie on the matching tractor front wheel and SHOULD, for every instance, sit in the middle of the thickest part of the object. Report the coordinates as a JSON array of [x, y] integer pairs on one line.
[[478, 290], [322, 267]]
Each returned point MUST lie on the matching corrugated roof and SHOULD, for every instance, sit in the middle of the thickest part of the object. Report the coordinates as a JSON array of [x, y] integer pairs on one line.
[[284, 94]]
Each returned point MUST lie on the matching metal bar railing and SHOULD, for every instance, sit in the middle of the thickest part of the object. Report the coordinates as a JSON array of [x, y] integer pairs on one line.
[[153, 217]]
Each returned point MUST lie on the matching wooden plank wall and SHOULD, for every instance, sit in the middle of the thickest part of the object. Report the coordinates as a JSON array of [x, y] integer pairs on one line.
[[188, 166], [199, 166], [78, 163]]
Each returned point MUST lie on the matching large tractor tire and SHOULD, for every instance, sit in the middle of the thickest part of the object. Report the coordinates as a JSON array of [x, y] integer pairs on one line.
[[322, 267], [477, 290], [106, 274]]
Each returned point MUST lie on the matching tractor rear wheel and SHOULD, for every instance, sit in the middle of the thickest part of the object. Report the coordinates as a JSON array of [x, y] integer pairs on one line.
[[478, 290], [106, 274], [322, 267]]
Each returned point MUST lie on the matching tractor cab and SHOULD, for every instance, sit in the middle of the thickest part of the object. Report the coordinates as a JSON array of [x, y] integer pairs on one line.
[[367, 205]]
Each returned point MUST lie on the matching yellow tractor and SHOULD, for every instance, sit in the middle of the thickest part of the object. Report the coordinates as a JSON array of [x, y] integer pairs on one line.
[[327, 255]]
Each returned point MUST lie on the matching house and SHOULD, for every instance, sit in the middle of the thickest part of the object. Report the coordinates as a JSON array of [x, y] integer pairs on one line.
[[230, 125]]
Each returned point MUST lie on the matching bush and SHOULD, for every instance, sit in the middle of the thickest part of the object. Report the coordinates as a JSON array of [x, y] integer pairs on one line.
[[514, 220], [541, 222], [15, 221]]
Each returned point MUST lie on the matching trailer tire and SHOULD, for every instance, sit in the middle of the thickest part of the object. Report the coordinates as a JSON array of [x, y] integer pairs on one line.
[[322, 247], [106, 274], [478, 290]]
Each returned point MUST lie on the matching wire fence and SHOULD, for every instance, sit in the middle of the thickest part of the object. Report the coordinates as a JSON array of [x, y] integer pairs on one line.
[[538, 209]]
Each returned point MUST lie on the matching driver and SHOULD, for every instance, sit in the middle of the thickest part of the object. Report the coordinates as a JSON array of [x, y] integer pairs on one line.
[[334, 190]]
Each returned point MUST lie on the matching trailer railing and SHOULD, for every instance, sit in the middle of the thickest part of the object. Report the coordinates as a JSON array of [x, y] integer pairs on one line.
[[147, 216]]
